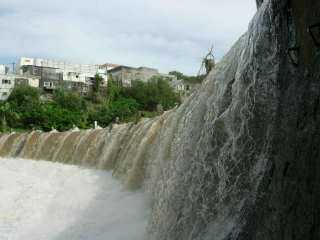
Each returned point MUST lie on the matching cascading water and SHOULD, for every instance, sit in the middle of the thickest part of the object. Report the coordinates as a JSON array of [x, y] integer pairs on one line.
[[239, 159]]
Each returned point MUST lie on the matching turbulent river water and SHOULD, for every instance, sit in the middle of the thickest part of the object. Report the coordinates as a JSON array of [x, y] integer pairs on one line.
[[238, 159], [42, 200]]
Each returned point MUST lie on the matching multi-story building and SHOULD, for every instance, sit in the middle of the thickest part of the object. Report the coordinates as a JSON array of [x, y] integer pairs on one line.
[[48, 78], [6, 82], [53, 74], [33, 81], [4, 69]]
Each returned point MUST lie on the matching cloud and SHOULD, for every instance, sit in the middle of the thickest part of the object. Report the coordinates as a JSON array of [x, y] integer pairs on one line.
[[167, 34]]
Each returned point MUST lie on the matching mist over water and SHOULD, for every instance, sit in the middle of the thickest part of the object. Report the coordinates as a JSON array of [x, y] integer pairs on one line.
[[42, 200]]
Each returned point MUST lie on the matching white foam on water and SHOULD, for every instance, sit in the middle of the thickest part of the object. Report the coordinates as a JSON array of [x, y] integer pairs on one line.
[[52, 201]]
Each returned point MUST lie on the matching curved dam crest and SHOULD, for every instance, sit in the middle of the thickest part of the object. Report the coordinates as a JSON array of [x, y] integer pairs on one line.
[[239, 159], [121, 149]]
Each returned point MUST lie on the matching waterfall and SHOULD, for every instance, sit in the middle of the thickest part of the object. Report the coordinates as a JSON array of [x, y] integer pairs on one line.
[[120, 148], [228, 161]]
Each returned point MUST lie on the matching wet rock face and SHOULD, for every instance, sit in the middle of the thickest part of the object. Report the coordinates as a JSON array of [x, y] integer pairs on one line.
[[248, 161], [287, 208]]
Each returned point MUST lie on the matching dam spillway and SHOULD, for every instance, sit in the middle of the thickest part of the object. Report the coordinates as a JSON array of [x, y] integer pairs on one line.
[[121, 149], [239, 159]]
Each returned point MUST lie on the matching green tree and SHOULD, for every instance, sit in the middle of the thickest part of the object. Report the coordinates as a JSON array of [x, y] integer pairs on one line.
[[97, 81], [152, 93], [25, 107], [24, 95], [4, 112], [62, 119], [179, 75], [114, 90], [125, 109], [69, 100], [96, 93]]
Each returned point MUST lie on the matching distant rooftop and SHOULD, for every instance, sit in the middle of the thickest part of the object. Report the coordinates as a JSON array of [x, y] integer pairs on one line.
[[109, 65], [127, 67]]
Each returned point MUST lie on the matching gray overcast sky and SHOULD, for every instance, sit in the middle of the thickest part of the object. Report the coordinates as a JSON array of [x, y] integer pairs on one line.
[[166, 34]]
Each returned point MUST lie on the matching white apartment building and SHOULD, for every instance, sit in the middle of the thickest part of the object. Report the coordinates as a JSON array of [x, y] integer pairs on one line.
[[4, 69], [70, 72], [6, 82], [32, 81]]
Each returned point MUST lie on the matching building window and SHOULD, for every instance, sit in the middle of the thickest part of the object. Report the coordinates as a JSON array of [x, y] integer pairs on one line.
[[6, 81], [35, 71], [47, 84]]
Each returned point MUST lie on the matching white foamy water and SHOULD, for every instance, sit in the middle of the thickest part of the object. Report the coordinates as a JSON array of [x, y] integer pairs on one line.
[[52, 201]]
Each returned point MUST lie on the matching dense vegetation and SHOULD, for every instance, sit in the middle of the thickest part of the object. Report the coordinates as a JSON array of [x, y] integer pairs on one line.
[[25, 109]]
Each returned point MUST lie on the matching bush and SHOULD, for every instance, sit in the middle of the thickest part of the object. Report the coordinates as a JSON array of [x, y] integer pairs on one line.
[[24, 96], [69, 100], [125, 109], [23, 107], [150, 94], [62, 119]]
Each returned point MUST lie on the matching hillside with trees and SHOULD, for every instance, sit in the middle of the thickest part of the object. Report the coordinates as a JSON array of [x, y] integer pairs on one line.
[[26, 109]]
